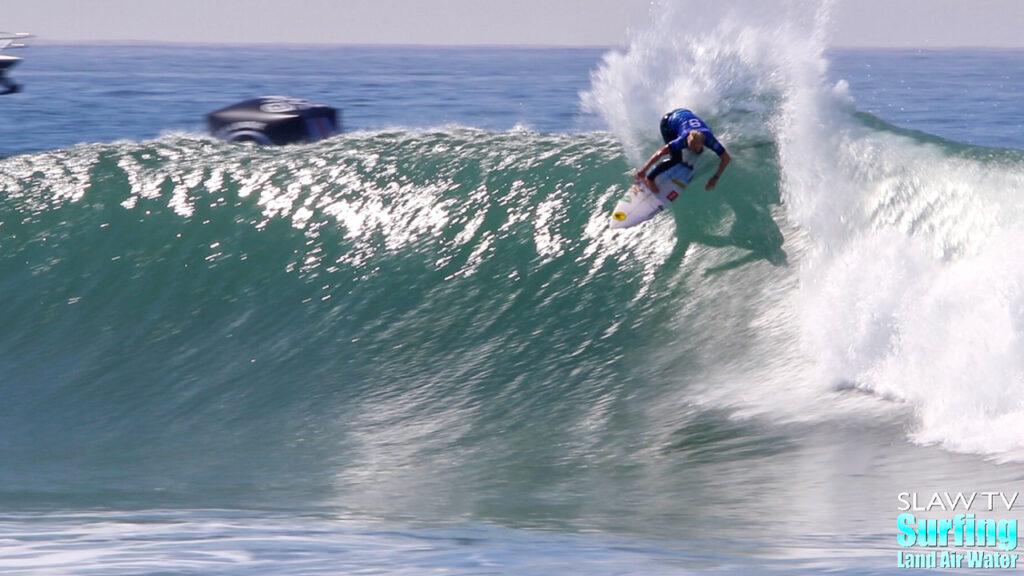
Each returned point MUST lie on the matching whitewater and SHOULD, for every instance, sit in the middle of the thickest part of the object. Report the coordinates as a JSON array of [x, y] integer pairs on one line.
[[903, 287], [417, 347]]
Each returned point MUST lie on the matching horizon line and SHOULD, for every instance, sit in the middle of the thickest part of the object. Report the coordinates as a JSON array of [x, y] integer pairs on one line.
[[36, 40], [299, 44]]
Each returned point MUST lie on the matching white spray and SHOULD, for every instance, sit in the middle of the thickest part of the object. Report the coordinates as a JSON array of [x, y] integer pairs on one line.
[[907, 287]]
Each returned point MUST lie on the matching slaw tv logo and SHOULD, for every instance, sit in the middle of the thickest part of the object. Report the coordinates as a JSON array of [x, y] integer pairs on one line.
[[957, 530]]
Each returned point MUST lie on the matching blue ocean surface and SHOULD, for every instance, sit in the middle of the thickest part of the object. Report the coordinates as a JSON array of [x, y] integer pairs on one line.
[[969, 96], [416, 347], [77, 94], [82, 94]]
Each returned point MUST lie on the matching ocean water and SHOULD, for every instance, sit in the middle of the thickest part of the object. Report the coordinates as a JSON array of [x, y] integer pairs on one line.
[[416, 347]]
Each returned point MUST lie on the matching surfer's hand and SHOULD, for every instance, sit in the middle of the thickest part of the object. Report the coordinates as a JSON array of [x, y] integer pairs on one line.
[[650, 184], [711, 183]]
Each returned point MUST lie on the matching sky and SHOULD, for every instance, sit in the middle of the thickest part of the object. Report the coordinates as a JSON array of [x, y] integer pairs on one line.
[[856, 23]]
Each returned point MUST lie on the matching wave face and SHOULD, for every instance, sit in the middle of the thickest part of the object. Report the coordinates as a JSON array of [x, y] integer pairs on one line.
[[439, 321], [190, 311]]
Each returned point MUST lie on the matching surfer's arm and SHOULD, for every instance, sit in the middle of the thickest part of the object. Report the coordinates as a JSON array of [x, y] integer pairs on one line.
[[724, 160], [642, 173]]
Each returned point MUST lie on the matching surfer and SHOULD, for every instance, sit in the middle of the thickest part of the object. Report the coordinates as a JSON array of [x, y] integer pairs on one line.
[[683, 131]]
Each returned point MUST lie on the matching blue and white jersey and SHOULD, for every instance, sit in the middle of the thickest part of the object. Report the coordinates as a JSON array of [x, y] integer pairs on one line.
[[681, 122]]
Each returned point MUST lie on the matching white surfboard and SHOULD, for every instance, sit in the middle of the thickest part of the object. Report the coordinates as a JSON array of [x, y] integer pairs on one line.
[[640, 203]]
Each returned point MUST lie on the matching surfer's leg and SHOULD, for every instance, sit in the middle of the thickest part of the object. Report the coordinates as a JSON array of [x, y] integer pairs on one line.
[[666, 163], [662, 166]]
